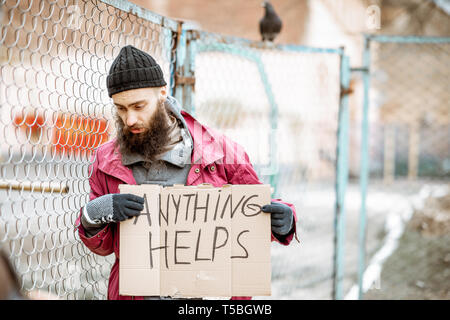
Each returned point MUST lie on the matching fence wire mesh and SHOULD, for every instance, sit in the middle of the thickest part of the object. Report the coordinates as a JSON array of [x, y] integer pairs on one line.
[[282, 105], [409, 156], [55, 111]]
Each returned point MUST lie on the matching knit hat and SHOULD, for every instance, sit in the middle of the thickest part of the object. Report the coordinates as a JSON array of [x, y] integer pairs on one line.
[[133, 69]]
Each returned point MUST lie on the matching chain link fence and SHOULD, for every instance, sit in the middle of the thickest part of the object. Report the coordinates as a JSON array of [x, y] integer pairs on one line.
[[408, 156], [55, 111]]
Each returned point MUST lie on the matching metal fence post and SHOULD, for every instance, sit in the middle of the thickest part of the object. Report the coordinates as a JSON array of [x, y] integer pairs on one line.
[[189, 72], [341, 179], [364, 169], [180, 52], [184, 71]]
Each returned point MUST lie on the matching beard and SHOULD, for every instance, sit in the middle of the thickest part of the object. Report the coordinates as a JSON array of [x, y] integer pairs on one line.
[[150, 143]]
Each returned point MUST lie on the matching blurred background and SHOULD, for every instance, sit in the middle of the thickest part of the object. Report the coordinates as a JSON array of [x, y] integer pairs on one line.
[[346, 113]]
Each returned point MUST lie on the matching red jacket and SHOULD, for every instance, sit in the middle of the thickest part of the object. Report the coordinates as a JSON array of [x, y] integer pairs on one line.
[[215, 159]]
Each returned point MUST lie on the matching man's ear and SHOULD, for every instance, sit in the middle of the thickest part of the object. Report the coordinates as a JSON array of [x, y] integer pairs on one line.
[[163, 92]]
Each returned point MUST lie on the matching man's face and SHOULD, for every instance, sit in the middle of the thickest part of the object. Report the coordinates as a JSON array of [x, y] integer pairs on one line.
[[142, 121], [136, 107]]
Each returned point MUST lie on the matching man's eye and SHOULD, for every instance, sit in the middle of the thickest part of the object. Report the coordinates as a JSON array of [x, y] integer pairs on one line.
[[139, 107]]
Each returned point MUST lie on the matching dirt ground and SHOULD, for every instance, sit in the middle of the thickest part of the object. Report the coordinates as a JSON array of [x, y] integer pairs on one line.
[[420, 266]]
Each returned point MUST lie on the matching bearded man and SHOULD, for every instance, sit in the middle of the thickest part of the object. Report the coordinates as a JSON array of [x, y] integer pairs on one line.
[[158, 143]]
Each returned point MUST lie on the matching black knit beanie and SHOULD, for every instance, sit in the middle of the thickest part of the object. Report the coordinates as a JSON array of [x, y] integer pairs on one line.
[[133, 69]]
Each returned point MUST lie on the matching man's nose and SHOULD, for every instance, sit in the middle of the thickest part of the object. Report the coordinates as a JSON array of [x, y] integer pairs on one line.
[[131, 119]]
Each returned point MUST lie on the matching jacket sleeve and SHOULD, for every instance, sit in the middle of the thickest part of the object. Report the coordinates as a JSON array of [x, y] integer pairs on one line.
[[101, 243], [244, 173]]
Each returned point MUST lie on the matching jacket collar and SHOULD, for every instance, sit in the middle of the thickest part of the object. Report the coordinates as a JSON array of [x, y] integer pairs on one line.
[[110, 162]]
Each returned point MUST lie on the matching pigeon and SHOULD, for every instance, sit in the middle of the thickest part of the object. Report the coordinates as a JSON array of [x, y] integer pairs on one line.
[[270, 25]]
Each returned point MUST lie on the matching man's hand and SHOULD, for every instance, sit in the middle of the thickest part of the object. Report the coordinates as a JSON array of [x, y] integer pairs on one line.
[[112, 208], [281, 217]]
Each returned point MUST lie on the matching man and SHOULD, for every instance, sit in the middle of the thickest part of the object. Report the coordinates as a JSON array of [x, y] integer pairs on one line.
[[158, 143]]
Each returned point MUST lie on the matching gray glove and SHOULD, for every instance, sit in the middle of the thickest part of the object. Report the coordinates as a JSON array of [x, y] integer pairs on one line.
[[112, 208], [281, 217]]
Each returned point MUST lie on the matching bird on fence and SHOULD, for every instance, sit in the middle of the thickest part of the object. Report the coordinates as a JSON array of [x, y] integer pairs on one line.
[[270, 25]]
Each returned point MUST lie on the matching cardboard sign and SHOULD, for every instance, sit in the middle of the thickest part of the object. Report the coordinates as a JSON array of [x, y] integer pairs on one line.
[[196, 241]]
